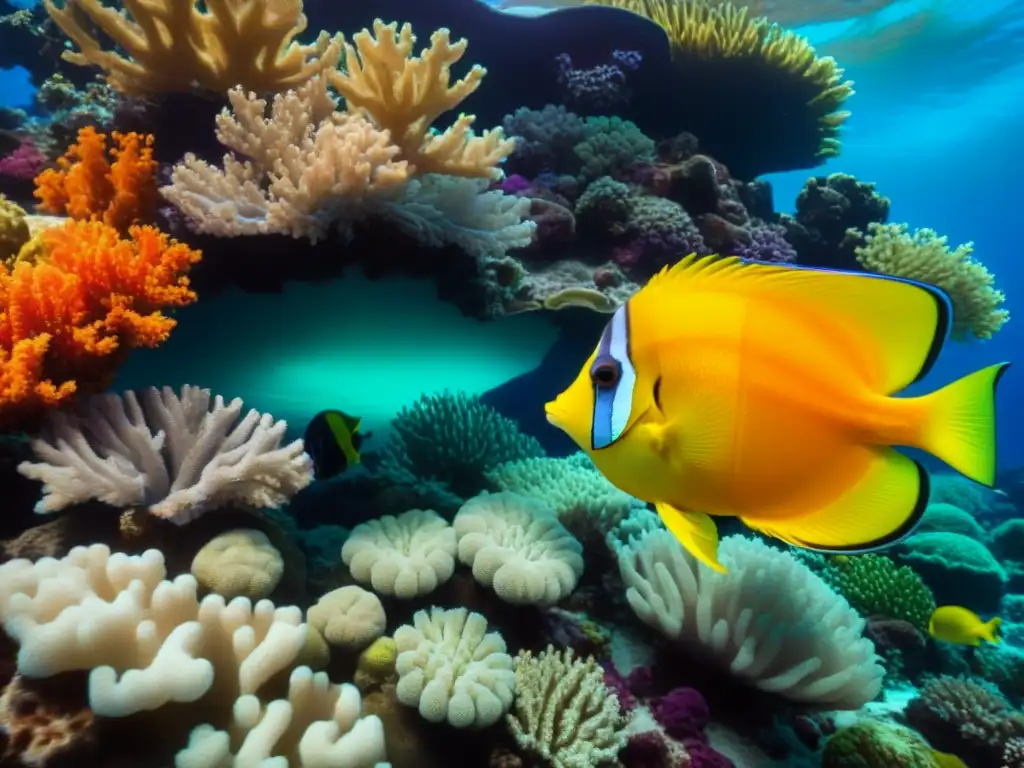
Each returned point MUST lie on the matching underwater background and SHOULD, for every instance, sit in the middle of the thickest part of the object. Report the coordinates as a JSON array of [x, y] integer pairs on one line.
[[394, 558]]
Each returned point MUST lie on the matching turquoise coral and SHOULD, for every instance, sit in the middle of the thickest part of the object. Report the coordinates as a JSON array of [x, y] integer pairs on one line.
[[611, 145], [452, 440], [958, 569]]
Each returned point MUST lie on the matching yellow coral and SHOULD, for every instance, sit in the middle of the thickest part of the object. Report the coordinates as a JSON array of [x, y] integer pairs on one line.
[[14, 231], [404, 94], [922, 255], [379, 659], [722, 30], [177, 45]]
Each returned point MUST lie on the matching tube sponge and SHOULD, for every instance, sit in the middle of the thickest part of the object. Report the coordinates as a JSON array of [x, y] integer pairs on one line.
[[453, 670]]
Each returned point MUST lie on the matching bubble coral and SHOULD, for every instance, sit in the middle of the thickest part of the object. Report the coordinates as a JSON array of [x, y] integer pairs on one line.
[[875, 586]]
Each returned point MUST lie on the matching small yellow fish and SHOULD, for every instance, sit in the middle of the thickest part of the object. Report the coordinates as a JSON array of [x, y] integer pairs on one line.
[[954, 624], [765, 392], [946, 760]]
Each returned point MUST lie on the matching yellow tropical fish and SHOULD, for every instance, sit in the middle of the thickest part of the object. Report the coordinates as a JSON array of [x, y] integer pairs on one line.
[[765, 392], [954, 624], [946, 760]]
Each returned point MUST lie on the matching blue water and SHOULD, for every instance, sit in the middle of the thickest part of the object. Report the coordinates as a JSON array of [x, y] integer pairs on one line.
[[937, 121]]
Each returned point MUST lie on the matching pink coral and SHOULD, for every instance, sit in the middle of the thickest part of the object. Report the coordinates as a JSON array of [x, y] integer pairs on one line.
[[24, 163]]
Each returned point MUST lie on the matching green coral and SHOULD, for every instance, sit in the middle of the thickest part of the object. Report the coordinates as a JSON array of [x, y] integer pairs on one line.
[[452, 440], [14, 231], [875, 586], [611, 144], [892, 249], [877, 744], [604, 208]]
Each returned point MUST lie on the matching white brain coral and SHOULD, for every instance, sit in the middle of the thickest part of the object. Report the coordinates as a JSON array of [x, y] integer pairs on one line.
[[517, 546], [770, 620], [239, 563], [404, 556], [452, 669], [349, 617]]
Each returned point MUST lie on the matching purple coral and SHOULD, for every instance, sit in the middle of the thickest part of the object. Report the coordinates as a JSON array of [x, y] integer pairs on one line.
[[684, 715], [596, 89], [767, 243], [544, 140]]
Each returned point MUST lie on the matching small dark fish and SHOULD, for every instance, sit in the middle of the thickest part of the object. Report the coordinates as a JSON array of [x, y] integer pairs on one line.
[[332, 439]]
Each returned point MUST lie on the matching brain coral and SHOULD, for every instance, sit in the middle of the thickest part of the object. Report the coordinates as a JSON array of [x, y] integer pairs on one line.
[[405, 556], [958, 569], [877, 744], [349, 617], [516, 545], [239, 563]]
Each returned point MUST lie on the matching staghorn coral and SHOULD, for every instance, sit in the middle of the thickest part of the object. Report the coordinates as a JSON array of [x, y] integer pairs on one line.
[[564, 713], [306, 167], [119, 191], [453, 439], [178, 455], [178, 45], [148, 642], [68, 321], [769, 621], [892, 249], [516, 546], [876, 587], [376, 78]]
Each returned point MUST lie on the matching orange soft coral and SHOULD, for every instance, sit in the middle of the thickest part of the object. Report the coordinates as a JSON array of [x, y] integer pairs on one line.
[[68, 321], [118, 191]]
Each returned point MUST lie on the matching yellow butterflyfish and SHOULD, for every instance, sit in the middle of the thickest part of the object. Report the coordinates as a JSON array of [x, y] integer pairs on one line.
[[766, 392], [962, 626]]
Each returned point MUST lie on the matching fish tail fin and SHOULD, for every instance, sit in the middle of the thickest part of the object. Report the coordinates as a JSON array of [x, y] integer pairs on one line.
[[960, 426], [990, 630], [697, 533]]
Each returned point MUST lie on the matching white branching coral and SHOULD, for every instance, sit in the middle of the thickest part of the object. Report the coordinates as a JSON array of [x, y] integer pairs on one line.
[[147, 642], [770, 620], [564, 713], [178, 455], [452, 669]]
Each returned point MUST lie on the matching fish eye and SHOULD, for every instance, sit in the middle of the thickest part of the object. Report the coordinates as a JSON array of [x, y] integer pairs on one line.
[[606, 373]]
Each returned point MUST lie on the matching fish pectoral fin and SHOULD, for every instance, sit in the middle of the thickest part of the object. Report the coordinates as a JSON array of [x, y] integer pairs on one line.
[[696, 531], [880, 509]]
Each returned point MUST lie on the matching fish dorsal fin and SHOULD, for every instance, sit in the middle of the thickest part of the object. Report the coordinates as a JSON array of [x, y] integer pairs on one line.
[[895, 327]]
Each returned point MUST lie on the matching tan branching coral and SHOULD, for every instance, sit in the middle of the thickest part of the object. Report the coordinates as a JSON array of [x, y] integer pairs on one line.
[[404, 94], [302, 164], [178, 45]]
